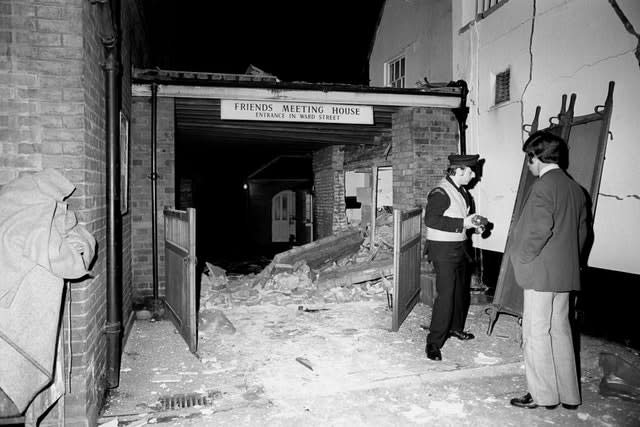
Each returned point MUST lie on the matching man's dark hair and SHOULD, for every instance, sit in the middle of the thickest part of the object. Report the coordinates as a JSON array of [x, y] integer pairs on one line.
[[547, 147], [451, 170]]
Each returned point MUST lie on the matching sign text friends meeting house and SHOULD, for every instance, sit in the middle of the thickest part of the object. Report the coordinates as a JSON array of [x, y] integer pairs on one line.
[[295, 112]]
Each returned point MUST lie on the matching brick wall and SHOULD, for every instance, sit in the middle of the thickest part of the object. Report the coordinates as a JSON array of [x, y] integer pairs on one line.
[[365, 156], [133, 51], [88, 300], [329, 205], [43, 82], [422, 140], [52, 115], [141, 233]]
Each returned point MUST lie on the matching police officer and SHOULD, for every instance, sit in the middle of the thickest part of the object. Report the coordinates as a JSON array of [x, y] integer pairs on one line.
[[448, 216]]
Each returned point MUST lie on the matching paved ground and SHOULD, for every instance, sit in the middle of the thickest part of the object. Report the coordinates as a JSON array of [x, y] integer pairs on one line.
[[342, 366]]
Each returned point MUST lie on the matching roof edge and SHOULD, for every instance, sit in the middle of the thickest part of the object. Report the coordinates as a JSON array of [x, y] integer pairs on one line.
[[186, 78]]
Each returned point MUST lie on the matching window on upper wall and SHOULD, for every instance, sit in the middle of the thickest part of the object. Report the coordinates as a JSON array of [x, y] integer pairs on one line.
[[395, 72], [502, 87], [485, 7]]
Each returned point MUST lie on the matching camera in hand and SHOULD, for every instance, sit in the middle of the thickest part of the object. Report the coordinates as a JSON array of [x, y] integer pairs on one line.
[[479, 221]]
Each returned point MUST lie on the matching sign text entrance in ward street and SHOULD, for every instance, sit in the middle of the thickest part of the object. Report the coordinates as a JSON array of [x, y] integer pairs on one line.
[[295, 112]]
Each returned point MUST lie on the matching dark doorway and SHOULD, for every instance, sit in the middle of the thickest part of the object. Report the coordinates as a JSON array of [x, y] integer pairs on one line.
[[212, 178]]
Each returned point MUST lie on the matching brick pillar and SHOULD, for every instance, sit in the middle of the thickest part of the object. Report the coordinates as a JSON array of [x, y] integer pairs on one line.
[[141, 245], [52, 116], [329, 205], [422, 140]]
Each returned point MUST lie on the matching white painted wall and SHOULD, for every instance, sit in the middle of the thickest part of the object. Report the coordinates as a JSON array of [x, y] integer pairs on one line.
[[385, 187], [577, 47], [421, 31]]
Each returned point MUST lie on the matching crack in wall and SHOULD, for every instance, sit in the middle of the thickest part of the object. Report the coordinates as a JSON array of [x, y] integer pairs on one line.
[[613, 196], [627, 25], [566, 76], [526, 86]]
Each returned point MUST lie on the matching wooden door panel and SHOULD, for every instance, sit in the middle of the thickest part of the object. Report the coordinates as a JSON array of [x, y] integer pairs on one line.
[[407, 233], [180, 273]]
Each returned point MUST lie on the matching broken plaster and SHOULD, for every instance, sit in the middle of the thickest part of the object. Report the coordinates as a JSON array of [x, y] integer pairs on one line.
[[627, 25]]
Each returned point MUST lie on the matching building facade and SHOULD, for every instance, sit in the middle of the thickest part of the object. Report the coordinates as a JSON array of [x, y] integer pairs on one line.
[[516, 55]]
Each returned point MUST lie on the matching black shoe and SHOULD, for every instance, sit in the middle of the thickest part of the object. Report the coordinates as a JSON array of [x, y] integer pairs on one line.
[[527, 402], [433, 352], [569, 407], [461, 335]]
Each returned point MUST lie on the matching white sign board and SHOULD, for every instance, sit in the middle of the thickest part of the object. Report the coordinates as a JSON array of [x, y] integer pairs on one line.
[[295, 112]]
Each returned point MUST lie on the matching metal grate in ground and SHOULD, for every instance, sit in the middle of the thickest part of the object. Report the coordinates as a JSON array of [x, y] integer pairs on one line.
[[188, 400]]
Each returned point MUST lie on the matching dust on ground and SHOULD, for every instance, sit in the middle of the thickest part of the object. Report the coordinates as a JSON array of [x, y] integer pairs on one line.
[[339, 364], [313, 346]]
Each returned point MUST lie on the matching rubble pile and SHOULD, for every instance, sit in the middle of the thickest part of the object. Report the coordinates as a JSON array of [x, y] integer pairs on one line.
[[339, 275]]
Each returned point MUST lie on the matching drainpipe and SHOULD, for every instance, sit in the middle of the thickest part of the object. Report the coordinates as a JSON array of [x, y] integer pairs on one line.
[[156, 304], [109, 13], [461, 113]]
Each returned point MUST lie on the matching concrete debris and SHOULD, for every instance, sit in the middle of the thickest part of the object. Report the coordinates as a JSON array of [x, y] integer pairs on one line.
[[166, 378], [311, 310], [620, 378], [315, 254], [483, 359], [214, 322], [213, 277], [355, 273], [384, 229], [304, 362], [337, 269]]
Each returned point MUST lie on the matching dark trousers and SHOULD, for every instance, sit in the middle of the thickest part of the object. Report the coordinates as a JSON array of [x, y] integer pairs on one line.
[[452, 284]]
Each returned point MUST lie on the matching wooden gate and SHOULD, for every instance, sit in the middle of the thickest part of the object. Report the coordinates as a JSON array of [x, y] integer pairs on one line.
[[180, 272], [407, 233]]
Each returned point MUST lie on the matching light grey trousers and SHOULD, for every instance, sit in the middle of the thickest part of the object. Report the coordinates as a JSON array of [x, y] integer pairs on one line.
[[549, 357]]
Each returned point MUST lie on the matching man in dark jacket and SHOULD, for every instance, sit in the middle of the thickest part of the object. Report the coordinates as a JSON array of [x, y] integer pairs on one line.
[[447, 217], [546, 244]]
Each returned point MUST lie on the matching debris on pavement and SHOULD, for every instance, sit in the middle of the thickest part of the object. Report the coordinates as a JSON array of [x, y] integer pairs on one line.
[[163, 378], [311, 310], [213, 277], [483, 359], [620, 378], [304, 362], [340, 268], [214, 321], [360, 370], [111, 423]]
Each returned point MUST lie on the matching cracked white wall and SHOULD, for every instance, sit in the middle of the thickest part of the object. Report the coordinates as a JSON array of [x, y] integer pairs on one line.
[[574, 46]]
